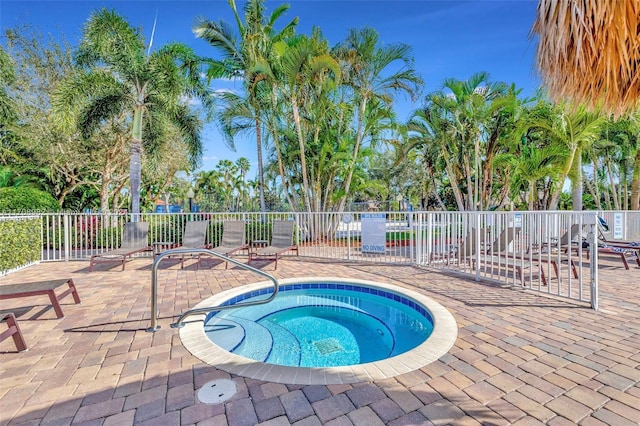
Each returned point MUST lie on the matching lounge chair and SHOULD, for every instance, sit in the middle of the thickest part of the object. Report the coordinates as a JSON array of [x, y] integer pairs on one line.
[[501, 254], [603, 227], [233, 239], [281, 242], [13, 331], [134, 240], [194, 236], [621, 251], [12, 291], [503, 242], [571, 240]]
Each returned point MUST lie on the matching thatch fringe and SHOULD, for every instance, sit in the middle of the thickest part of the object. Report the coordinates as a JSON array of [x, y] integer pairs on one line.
[[589, 52]]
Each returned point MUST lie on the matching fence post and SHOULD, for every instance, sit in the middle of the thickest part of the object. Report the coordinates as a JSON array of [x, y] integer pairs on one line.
[[67, 236], [411, 257], [429, 244], [419, 242], [477, 243], [593, 248]]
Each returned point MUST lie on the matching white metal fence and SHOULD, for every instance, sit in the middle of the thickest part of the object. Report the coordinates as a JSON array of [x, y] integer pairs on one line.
[[72, 236], [550, 252]]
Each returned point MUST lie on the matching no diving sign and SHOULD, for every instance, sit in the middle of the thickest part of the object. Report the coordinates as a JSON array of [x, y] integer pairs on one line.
[[374, 232]]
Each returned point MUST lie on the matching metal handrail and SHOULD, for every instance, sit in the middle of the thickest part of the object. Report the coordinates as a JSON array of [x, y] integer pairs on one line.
[[178, 324]]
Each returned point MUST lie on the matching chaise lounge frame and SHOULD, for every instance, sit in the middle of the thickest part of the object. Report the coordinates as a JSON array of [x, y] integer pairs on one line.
[[13, 331], [281, 242], [134, 240], [13, 291], [233, 239]]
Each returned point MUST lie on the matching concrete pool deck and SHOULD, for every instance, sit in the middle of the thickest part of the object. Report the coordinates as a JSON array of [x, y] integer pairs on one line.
[[520, 358]]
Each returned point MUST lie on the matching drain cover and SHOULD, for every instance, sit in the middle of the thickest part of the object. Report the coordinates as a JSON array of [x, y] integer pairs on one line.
[[328, 346], [217, 391]]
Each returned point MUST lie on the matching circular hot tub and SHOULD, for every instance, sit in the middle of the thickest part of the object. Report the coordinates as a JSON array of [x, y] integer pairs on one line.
[[321, 331]]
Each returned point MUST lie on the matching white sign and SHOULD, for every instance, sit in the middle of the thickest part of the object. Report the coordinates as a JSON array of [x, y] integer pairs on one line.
[[374, 233], [617, 226], [517, 220]]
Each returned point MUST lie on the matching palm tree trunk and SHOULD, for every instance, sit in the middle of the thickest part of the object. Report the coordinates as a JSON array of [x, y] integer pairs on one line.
[[135, 170], [635, 182], [591, 188], [263, 204], [453, 179], [356, 149], [555, 195], [596, 187], [276, 143], [612, 182], [303, 160], [470, 192], [533, 194], [576, 184]]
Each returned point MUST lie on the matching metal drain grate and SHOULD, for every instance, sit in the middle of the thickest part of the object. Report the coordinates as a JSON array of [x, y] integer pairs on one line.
[[217, 391], [328, 346]]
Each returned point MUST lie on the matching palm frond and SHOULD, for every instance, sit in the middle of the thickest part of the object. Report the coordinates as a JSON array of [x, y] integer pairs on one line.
[[589, 51]]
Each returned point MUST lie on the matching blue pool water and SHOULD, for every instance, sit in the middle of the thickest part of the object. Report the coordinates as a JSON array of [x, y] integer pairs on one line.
[[321, 325]]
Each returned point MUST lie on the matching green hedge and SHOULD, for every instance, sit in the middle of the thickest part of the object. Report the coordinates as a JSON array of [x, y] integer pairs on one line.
[[21, 244], [19, 199]]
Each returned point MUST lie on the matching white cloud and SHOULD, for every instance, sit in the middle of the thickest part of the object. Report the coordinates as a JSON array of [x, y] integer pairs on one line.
[[232, 79], [191, 101], [221, 91]]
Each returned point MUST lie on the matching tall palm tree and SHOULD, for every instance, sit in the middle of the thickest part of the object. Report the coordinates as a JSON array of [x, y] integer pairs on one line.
[[469, 107], [240, 52], [122, 75], [466, 118], [430, 126], [305, 71], [243, 166], [575, 129], [367, 71]]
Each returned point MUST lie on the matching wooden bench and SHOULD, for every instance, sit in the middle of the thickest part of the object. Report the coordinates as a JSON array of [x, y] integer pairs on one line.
[[13, 331], [13, 291]]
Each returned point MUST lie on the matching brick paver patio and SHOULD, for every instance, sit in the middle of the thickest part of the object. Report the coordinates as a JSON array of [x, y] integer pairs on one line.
[[520, 358]]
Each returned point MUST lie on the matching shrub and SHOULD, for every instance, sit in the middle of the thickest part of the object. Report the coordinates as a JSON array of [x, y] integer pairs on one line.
[[21, 199], [21, 244]]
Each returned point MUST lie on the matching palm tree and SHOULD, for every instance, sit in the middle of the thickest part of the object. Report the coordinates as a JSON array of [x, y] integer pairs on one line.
[[240, 53], [243, 166], [122, 75], [467, 119], [529, 168], [575, 129], [430, 126], [366, 70], [306, 69], [469, 107]]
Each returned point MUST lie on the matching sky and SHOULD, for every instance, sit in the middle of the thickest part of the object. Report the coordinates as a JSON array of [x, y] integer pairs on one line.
[[450, 39]]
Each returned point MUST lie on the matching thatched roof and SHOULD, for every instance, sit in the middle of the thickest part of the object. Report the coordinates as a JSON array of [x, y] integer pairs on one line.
[[589, 51]]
